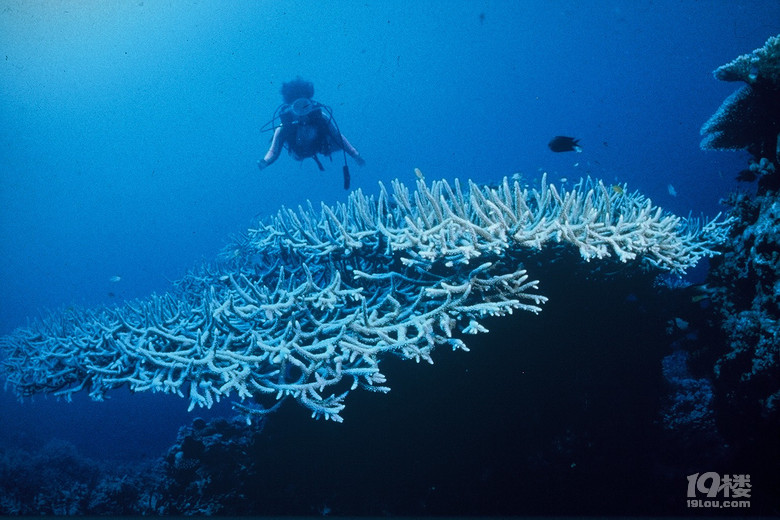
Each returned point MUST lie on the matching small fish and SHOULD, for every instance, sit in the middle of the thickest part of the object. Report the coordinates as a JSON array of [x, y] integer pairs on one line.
[[671, 190], [115, 279], [704, 292], [681, 323], [618, 189], [561, 143], [419, 174]]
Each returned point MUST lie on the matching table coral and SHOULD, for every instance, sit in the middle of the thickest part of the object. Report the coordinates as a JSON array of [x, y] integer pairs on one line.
[[305, 305]]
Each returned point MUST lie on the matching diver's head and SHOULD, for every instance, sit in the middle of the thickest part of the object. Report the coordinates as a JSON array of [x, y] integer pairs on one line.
[[296, 89], [302, 107]]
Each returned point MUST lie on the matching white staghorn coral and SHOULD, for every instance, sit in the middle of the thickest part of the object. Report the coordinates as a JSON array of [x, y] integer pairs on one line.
[[305, 305]]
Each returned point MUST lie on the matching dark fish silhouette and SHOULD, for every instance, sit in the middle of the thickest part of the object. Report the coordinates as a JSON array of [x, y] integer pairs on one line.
[[747, 176], [562, 143]]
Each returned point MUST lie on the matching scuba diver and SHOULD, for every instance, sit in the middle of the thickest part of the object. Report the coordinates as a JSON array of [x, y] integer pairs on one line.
[[307, 128]]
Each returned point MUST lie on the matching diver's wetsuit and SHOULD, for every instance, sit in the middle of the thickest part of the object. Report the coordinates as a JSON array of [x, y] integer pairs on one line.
[[307, 142]]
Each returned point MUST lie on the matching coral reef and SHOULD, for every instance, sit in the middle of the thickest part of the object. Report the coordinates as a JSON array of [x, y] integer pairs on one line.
[[750, 118], [57, 480], [743, 284], [690, 399], [745, 288], [304, 306], [212, 469]]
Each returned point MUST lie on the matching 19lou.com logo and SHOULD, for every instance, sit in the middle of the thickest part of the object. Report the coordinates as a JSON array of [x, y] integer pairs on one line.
[[720, 491]]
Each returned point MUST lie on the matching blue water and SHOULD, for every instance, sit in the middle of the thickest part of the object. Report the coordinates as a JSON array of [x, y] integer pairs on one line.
[[129, 133]]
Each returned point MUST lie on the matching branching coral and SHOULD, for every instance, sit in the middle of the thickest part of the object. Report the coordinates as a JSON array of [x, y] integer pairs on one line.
[[305, 305]]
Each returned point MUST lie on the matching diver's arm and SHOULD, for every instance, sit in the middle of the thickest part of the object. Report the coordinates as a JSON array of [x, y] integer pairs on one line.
[[273, 152], [352, 151], [339, 137]]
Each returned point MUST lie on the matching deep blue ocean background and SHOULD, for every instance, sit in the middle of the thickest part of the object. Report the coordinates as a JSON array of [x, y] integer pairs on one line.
[[130, 131]]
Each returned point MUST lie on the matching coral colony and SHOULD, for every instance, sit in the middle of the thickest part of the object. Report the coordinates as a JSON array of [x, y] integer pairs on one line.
[[750, 118], [305, 306]]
